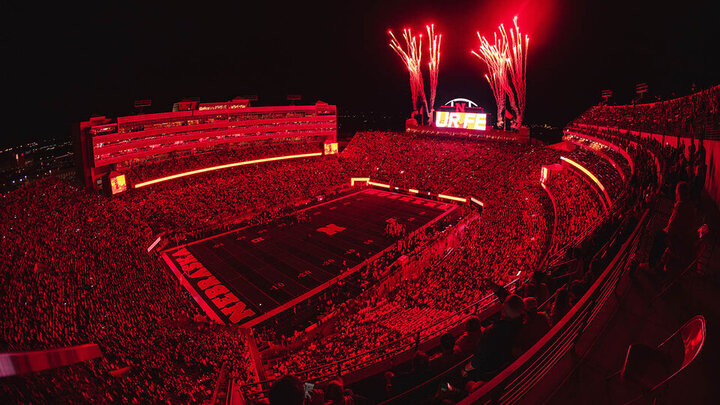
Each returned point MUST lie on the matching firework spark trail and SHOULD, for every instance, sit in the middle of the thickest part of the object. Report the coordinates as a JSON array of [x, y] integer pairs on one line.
[[506, 57], [411, 55], [434, 64], [517, 67], [508, 90], [494, 56], [498, 93]]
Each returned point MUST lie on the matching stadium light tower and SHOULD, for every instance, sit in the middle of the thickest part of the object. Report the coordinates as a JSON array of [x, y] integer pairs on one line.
[[606, 95], [411, 55], [640, 90], [292, 98]]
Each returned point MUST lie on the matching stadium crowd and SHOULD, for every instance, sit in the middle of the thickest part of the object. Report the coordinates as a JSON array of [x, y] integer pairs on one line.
[[76, 270], [173, 164], [540, 302], [687, 116]]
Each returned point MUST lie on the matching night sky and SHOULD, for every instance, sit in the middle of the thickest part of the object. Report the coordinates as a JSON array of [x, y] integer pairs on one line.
[[64, 62]]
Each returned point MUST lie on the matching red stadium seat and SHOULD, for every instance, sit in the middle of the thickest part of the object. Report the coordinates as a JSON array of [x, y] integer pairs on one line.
[[653, 368]]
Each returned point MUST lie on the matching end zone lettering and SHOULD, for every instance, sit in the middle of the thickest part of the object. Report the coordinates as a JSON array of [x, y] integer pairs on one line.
[[218, 294]]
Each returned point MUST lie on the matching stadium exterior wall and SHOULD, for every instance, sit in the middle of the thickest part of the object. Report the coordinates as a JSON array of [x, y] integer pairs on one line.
[[104, 145]]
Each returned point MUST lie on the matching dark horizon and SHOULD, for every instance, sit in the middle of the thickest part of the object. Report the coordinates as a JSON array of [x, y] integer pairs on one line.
[[66, 64]]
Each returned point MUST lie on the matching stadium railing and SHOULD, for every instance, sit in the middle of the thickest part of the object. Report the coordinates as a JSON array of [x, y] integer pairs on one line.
[[591, 303], [557, 353], [380, 358], [426, 388]]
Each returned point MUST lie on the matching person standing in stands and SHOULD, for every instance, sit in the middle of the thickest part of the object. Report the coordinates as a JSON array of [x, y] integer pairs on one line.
[[699, 180], [680, 230], [536, 325], [467, 343], [561, 305], [447, 357], [496, 344], [402, 382], [287, 390]]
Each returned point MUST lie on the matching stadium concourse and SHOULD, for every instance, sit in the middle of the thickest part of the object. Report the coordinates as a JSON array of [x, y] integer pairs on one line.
[[443, 314]]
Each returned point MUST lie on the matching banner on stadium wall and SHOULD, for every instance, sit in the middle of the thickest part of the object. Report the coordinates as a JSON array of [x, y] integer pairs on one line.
[[29, 362]]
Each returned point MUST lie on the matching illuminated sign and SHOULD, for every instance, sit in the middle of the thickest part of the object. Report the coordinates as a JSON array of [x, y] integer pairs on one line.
[[331, 148], [463, 113], [465, 120], [592, 177], [118, 184]]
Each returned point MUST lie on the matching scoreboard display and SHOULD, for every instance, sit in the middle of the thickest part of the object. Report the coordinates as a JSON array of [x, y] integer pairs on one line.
[[461, 113], [118, 184], [464, 120]]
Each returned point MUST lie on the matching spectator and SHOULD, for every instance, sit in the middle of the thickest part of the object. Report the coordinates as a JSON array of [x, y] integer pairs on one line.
[[681, 231], [287, 390], [535, 326], [447, 357], [467, 343], [561, 305], [419, 373], [495, 349]]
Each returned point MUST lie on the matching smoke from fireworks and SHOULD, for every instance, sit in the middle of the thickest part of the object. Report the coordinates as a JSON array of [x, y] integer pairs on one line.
[[411, 55], [506, 60], [434, 64]]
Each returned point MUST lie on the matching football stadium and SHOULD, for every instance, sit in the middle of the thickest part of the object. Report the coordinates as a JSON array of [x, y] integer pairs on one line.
[[247, 250]]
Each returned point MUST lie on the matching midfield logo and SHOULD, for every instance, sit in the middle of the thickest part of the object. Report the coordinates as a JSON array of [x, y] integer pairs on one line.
[[331, 229]]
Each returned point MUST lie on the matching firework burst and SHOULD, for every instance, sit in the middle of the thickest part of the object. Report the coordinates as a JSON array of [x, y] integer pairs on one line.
[[506, 60], [517, 67], [495, 57], [434, 64], [411, 55]]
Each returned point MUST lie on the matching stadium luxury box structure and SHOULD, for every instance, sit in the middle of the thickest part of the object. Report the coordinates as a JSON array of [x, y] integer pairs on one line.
[[107, 148]]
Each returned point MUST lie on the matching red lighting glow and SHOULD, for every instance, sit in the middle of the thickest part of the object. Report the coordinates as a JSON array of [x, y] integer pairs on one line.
[[226, 166], [453, 198], [475, 121], [372, 183], [118, 184], [589, 174], [331, 148]]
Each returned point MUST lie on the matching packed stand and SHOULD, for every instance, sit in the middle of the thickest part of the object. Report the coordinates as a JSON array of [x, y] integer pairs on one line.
[[75, 271], [608, 176], [578, 208], [689, 116], [507, 241], [179, 163]]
